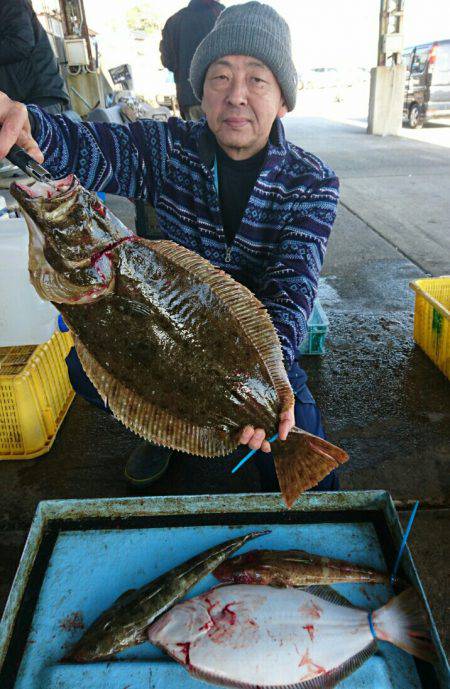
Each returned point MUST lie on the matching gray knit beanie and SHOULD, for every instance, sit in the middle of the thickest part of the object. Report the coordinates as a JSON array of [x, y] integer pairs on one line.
[[250, 29]]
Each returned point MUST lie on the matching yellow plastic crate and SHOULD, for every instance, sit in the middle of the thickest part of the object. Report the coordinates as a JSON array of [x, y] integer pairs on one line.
[[35, 394], [432, 319]]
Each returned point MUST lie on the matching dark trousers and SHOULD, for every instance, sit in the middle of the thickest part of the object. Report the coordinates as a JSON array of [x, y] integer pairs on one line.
[[307, 416]]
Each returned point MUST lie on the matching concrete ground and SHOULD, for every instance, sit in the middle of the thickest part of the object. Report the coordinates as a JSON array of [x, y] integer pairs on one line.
[[381, 397]]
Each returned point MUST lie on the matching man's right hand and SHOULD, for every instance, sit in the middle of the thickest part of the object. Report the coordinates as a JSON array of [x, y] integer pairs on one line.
[[16, 129]]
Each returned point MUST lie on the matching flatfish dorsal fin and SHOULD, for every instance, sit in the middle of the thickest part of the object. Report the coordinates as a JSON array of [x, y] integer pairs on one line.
[[330, 595]]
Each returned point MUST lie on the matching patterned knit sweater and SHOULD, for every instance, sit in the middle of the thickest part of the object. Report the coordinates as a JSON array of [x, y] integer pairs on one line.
[[279, 249]]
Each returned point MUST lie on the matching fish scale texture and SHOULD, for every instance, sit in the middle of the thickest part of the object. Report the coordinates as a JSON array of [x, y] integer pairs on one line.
[[280, 246]]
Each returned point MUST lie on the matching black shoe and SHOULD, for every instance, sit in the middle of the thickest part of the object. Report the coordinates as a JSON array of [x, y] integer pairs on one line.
[[146, 464]]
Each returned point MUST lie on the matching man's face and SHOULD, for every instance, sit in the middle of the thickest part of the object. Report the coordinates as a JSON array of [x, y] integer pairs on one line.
[[241, 99]]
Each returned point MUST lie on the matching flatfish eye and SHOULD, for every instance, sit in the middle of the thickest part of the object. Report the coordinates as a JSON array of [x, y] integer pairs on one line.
[[99, 208]]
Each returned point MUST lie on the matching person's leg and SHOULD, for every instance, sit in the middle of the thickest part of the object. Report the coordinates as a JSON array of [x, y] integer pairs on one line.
[[307, 417], [81, 383], [146, 220], [147, 462]]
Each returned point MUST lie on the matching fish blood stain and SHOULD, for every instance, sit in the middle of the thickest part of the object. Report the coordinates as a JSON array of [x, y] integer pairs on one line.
[[185, 649], [310, 629], [211, 606], [206, 627], [311, 609], [72, 622], [311, 666], [229, 615]]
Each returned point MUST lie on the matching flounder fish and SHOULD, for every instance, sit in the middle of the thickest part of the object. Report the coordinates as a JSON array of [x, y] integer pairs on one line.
[[259, 636], [183, 354], [294, 568], [124, 624]]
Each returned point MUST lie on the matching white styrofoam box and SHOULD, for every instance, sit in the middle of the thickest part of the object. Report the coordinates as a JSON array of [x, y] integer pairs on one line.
[[25, 318]]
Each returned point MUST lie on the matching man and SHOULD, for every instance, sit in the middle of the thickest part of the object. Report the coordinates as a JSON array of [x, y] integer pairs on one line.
[[230, 188], [180, 37], [28, 68]]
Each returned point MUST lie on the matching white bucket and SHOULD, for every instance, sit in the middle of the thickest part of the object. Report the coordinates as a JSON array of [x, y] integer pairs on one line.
[[25, 318]]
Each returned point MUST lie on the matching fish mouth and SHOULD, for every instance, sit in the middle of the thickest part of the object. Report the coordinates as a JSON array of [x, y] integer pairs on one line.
[[45, 190]]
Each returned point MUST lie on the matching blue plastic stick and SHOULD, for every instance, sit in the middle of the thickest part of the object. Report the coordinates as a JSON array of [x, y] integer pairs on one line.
[[250, 454], [403, 543], [372, 628]]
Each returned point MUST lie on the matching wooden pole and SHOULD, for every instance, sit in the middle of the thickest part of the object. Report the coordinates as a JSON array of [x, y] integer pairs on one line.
[[78, 6]]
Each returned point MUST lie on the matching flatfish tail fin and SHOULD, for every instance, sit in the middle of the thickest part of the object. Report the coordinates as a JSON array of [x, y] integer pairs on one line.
[[302, 460], [404, 622]]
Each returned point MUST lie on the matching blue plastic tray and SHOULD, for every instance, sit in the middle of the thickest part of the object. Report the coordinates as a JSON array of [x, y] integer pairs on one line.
[[86, 553]]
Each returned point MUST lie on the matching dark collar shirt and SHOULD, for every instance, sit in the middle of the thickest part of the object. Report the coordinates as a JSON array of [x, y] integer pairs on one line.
[[236, 180]]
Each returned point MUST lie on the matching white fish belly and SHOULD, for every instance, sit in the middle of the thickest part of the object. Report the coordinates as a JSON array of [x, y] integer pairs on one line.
[[261, 635]]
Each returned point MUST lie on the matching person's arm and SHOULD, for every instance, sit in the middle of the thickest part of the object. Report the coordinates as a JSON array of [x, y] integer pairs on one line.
[[167, 47], [291, 281], [292, 277], [17, 39], [127, 160], [16, 128]]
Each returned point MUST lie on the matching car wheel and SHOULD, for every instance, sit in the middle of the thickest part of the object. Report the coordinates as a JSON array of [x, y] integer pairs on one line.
[[415, 117]]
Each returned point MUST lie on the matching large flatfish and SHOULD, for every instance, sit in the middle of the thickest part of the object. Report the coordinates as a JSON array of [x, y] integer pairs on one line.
[[184, 355], [260, 636]]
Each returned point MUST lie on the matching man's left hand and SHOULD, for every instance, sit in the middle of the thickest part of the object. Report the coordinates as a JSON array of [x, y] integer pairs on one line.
[[255, 438]]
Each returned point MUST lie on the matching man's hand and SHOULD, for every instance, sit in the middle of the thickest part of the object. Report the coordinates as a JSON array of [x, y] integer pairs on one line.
[[16, 129], [255, 438]]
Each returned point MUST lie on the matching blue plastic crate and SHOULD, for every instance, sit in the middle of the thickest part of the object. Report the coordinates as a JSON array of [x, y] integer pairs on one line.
[[314, 342]]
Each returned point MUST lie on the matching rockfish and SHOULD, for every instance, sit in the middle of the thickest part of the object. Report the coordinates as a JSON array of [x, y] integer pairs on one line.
[[184, 355], [259, 636], [124, 624], [293, 568]]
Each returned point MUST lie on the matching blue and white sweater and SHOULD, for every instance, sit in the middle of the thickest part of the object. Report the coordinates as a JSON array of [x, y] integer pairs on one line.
[[279, 249]]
